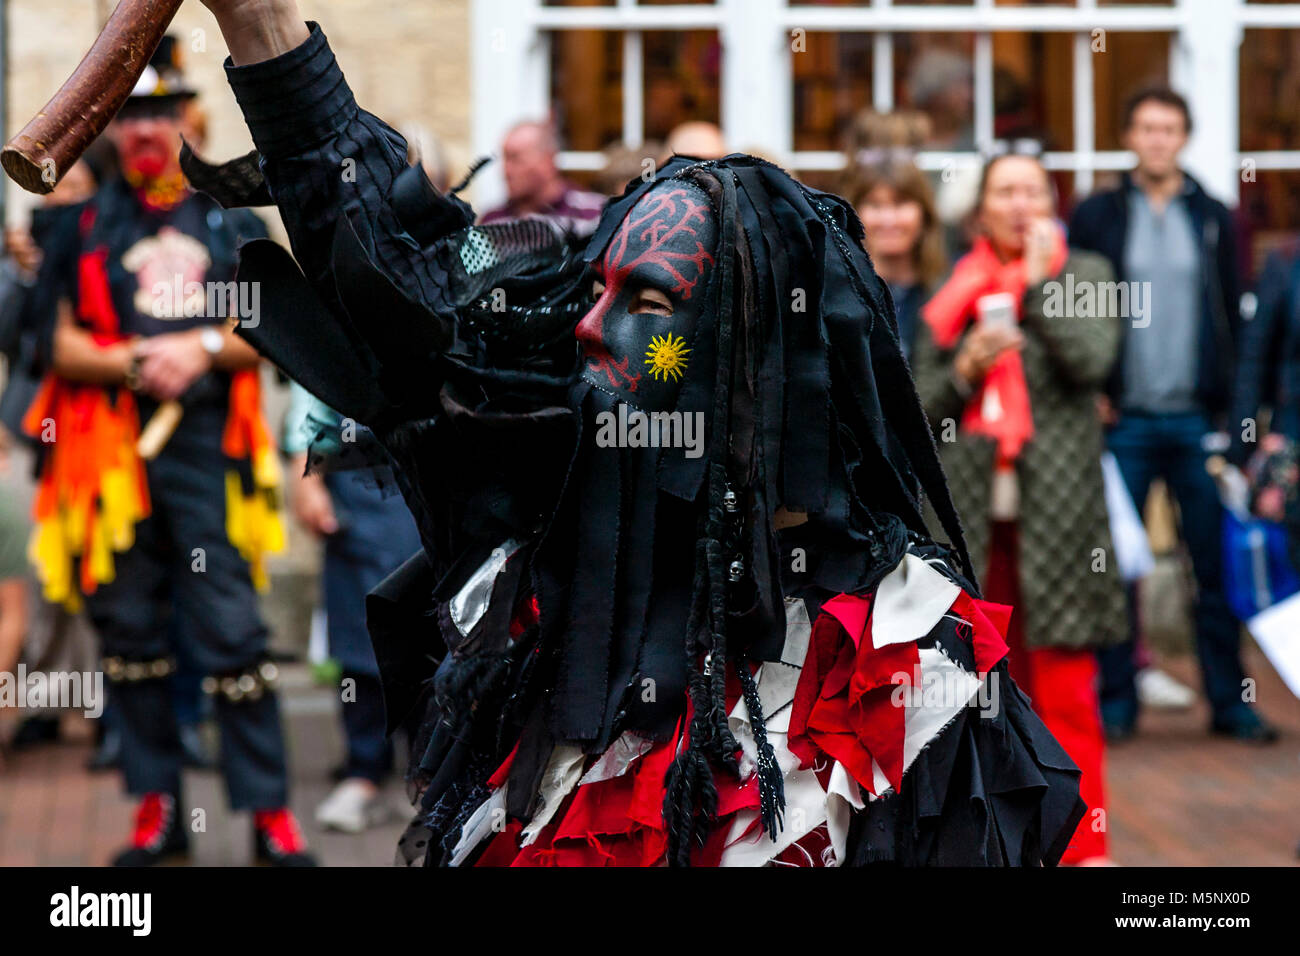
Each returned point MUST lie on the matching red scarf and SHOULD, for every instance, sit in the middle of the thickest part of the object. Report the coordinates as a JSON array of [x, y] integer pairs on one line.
[[1000, 406]]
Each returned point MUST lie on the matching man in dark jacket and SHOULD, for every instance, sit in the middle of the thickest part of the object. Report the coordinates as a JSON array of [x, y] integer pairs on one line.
[[1173, 245], [1268, 376], [1268, 368]]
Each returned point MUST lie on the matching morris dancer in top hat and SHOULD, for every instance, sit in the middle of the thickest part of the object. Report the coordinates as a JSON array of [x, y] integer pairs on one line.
[[143, 333]]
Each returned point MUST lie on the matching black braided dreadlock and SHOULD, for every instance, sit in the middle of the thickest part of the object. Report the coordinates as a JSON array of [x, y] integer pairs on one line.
[[690, 804]]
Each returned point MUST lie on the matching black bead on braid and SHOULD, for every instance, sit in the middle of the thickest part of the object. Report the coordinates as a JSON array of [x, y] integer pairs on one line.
[[720, 538], [719, 543], [728, 530], [690, 800]]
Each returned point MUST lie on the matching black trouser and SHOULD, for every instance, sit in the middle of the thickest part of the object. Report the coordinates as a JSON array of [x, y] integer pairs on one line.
[[376, 534], [166, 573]]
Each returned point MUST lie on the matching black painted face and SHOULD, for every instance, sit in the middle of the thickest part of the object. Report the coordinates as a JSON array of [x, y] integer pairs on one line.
[[649, 297]]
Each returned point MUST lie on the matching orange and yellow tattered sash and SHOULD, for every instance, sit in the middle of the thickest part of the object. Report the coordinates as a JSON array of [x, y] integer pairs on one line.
[[253, 521], [92, 489]]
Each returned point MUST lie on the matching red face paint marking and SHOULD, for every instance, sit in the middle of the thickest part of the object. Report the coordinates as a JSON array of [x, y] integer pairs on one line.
[[662, 219]]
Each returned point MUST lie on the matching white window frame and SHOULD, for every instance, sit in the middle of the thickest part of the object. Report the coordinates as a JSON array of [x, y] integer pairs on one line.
[[510, 54]]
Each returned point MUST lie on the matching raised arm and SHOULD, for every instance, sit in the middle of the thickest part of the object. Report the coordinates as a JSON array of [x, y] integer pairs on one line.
[[257, 30], [376, 346]]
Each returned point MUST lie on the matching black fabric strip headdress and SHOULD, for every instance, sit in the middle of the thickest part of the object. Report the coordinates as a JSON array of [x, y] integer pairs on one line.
[[812, 409]]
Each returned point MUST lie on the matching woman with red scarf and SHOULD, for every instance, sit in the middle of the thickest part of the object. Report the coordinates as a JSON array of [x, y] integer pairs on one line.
[[1010, 358]]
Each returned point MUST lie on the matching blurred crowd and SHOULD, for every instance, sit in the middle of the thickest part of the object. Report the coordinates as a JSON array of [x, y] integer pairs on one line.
[[1067, 359]]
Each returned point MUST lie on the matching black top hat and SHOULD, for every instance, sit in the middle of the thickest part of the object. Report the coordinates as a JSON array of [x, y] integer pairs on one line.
[[162, 85]]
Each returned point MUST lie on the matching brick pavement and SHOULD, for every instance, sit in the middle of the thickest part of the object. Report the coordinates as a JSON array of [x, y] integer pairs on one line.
[[1177, 797], [52, 811], [1181, 798]]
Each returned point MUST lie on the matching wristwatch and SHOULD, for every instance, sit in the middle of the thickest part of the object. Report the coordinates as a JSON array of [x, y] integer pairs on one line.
[[212, 341], [132, 380]]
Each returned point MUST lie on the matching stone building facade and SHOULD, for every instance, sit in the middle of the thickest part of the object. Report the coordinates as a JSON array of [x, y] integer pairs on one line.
[[407, 60]]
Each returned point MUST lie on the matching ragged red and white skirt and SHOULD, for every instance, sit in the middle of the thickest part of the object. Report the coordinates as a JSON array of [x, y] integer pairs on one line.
[[900, 736]]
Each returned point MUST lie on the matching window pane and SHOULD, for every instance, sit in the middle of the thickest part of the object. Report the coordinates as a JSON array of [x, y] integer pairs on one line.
[[682, 79], [578, 3], [1130, 62], [1267, 94], [1034, 3], [897, 3], [587, 87], [832, 82], [1270, 209], [1033, 87], [1270, 89], [934, 73]]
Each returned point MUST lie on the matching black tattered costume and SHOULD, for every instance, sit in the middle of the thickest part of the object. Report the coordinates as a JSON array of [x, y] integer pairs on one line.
[[629, 654]]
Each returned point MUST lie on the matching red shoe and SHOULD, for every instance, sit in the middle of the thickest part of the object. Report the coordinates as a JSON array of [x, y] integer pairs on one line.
[[279, 841], [158, 833]]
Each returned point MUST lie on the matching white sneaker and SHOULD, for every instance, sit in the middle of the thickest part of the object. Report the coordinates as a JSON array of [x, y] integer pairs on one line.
[[1161, 691], [352, 807]]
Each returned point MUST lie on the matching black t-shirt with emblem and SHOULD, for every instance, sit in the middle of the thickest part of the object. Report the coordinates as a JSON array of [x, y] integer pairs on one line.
[[168, 270]]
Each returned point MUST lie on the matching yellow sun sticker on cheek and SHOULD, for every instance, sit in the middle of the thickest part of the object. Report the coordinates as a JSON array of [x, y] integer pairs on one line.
[[666, 356]]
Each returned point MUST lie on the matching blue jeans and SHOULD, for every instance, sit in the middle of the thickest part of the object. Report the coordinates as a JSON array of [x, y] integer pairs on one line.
[[1168, 446], [376, 534]]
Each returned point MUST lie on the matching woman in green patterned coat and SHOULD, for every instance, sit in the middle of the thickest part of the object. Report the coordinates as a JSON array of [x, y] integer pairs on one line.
[[1009, 362]]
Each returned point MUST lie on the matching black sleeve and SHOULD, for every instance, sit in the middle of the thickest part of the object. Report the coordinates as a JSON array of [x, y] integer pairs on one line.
[[325, 158], [56, 281], [378, 308], [1229, 273], [1080, 233], [1259, 353], [363, 326], [13, 294]]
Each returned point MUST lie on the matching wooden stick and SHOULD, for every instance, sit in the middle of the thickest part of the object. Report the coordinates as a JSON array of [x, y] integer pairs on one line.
[[54, 140], [159, 430]]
